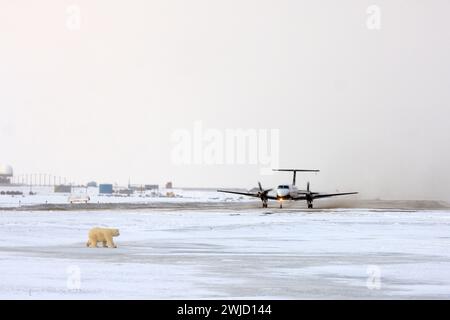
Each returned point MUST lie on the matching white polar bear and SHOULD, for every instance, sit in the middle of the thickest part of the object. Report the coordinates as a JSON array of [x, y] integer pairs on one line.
[[104, 235]]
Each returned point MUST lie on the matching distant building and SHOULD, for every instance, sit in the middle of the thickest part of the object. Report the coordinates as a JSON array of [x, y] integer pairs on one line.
[[142, 187], [127, 192], [105, 188], [92, 184], [61, 188], [6, 173], [136, 187], [169, 185]]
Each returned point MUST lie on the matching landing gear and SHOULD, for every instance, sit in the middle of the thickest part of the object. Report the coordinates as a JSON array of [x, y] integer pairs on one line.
[[264, 204], [281, 205], [310, 205]]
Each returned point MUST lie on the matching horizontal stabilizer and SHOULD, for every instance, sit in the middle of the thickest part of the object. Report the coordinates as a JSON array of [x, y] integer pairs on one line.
[[295, 172]]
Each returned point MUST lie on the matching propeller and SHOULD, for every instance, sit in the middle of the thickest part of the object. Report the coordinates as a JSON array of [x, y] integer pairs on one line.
[[309, 196], [263, 194]]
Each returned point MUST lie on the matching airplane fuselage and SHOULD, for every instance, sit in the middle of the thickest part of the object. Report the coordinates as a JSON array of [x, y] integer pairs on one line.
[[287, 192]]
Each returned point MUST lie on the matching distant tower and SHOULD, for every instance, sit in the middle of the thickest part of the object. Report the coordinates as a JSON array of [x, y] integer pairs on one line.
[[6, 173]]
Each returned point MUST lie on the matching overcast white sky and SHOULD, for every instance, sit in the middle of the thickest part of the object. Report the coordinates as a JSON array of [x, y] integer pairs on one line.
[[370, 108]]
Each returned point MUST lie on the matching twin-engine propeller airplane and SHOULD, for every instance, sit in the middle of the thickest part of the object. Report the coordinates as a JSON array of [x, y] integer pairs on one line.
[[288, 191]]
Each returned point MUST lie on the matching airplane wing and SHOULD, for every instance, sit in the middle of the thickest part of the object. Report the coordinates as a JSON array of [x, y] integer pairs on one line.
[[324, 195], [248, 194], [301, 197], [241, 193], [306, 192]]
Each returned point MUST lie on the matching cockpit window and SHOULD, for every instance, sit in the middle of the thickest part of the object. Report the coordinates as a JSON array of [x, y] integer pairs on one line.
[[283, 187]]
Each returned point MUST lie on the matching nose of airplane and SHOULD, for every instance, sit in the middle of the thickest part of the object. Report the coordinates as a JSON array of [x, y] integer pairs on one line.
[[282, 192]]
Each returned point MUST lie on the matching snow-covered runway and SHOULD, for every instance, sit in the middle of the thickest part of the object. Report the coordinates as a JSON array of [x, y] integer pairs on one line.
[[227, 254]]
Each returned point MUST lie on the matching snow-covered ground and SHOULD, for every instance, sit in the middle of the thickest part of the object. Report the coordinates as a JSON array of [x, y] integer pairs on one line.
[[227, 253]]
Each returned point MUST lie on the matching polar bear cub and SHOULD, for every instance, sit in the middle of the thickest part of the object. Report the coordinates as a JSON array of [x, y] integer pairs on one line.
[[103, 235]]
